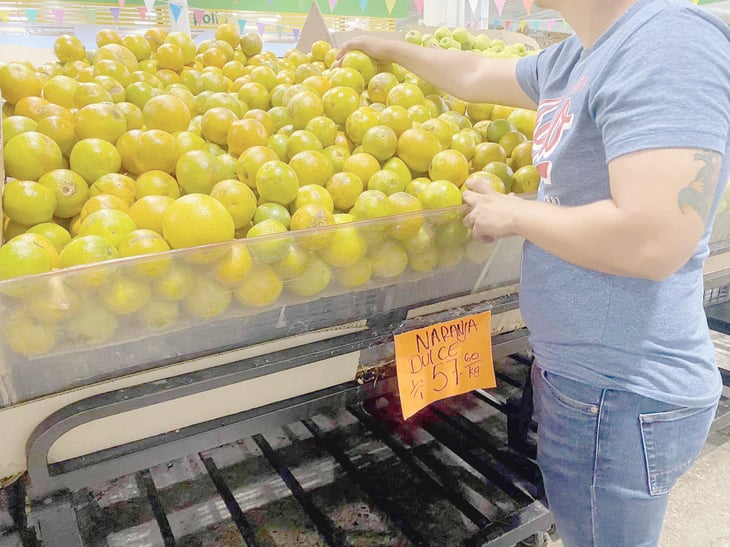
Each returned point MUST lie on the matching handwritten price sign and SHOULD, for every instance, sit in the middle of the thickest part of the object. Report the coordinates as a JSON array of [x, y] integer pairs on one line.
[[444, 360]]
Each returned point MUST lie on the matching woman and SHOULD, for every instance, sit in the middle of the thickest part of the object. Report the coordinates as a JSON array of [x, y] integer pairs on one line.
[[632, 144]]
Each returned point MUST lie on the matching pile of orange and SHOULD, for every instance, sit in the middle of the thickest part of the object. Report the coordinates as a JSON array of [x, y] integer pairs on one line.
[[153, 143]]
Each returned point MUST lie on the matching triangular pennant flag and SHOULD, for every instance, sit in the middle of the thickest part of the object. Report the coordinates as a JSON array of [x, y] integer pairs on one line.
[[279, 30], [295, 32], [176, 11], [242, 25], [91, 16], [550, 23], [500, 6], [507, 25], [528, 6], [536, 25], [522, 25], [142, 11], [261, 27], [31, 13], [58, 15], [333, 4], [473, 5], [271, 2], [121, 3], [363, 5], [149, 4], [115, 13], [419, 6], [4, 16], [198, 16], [390, 4]]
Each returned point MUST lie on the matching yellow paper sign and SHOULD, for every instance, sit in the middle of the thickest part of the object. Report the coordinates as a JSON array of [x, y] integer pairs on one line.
[[444, 360]]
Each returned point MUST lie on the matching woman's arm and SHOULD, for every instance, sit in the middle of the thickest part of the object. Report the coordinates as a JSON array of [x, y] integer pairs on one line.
[[465, 75]]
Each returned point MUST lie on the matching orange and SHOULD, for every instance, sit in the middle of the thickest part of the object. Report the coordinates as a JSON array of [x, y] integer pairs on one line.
[[336, 155], [300, 141], [312, 167], [170, 56], [497, 129], [18, 81], [359, 122], [380, 85], [255, 95], [226, 100], [145, 242], [30, 107], [107, 36], [167, 113], [187, 141], [443, 130], [28, 202], [216, 123], [198, 171], [272, 249], [196, 219], [324, 129], [114, 70], [92, 324], [339, 103], [147, 212], [347, 77], [416, 147], [510, 140], [103, 201], [69, 48], [148, 150], [319, 83], [487, 152], [176, 284], [523, 120], [23, 256], [395, 117], [306, 71], [138, 45], [319, 49], [53, 232], [70, 189], [449, 165], [184, 42], [123, 295], [303, 107], [312, 194], [403, 203], [238, 199], [355, 275], [405, 95], [155, 36], [156, 183], [263, 117], [138, 93], [15, 125], [389, 259], [92, 158], [439, 194], [60, 90], [363, 165], [260, 288], [309, 216], [114, 184], [100, 121], [371, 204], [503, 171], [214, 56], [111, 224], [251, 44], [250, 161], [90, 93], [272, 211], [277, 182], [243, 134], [30, 155], [380, 141], [313, 280], [344, 188], [60, 129], [525, 180]]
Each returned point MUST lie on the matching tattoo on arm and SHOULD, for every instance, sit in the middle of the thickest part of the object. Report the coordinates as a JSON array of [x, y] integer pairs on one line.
[[701, 191]]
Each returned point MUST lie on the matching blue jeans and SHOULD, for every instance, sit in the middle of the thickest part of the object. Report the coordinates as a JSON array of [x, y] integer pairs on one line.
[[609, 458]]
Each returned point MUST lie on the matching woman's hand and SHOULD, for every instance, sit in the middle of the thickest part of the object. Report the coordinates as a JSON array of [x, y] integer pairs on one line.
[[492, 214], [377, 48]]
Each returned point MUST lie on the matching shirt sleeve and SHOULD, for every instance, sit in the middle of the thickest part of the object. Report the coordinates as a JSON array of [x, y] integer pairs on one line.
[[667, 87], [534, 70], [527, 76]]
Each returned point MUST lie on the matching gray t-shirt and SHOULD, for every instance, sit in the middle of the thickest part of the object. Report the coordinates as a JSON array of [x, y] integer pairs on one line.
[[658, 78]]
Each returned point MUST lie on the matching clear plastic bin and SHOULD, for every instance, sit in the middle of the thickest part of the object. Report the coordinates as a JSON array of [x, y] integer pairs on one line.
[[81, 325]]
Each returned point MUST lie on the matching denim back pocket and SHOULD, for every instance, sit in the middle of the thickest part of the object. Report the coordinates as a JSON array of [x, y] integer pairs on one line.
[[672, 440]]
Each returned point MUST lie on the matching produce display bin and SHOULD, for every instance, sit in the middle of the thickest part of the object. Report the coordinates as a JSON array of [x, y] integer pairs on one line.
[[82, 325]]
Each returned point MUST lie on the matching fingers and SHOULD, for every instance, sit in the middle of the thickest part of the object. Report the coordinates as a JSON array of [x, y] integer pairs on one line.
[[479, 185]]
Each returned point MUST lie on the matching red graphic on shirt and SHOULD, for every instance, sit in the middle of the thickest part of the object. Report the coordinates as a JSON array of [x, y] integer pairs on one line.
[[549, 132]]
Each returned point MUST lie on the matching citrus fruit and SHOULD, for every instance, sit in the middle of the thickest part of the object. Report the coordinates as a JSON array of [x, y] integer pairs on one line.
[[245, 133], [389, 260], [159, 314], [336, 155], [443, 130], [511, 140], [347, 77], [371, 204], [52, 301], [255, 95], [449, 165], [216, 123], [208, 298], [311, 167], [138, 45], [114, 184], [61, 130], [92, 158], [238, 199], [395, 117], [28, 202], [232, 268], [176, 284], [379, 86], [401, 204], [313, 280], [156, 183], [29, 336], [99, 202], [250, 161], [405, 95], [198, 171], [301, 140], [88, 249], [167, 113], [356, 275], [123, 295], [324, 129], [15, 125], [69, 48], [261, 287], [359, 122], [147, 212], [17, 81], [440, 194], [344, 187], [70, 189], [92, 324], [30, 155], [251, 44], [60, 90], [380, 141], [416, 147], [273, 248], [487, 152], [196, 219], [523, 120], [272, 211], [503, 171], [277, 182], [25, 256], [313, 215], [363, 165], [497, 129], [525, 180], [386, 181], [53, 232], [110, 224], [339, 103], [149, 150], [521, 155], [345, 248], [145, 242]]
